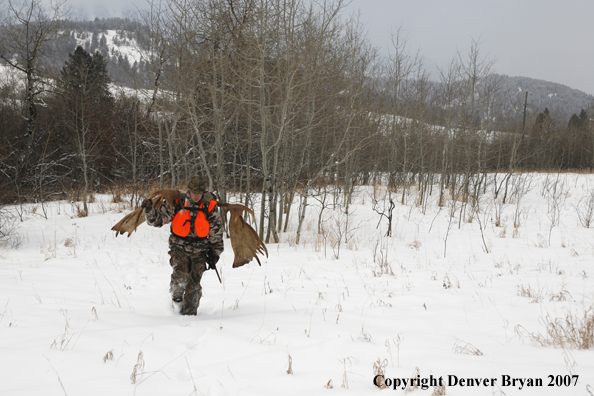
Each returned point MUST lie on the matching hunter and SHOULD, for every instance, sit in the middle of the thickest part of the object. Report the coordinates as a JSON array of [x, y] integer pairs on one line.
[[196, 241]]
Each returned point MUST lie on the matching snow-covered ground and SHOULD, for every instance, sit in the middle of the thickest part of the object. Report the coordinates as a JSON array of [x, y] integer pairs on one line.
[[85, 313]]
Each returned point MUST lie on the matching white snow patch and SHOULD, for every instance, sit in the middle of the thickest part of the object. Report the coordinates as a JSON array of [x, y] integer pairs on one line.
[[82, 310]]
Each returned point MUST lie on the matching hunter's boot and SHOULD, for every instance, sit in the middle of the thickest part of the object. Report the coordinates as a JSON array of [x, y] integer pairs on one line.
[[191, 302]]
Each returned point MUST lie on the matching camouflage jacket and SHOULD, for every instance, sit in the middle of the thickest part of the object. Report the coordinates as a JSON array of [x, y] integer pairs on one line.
[[192, 243]]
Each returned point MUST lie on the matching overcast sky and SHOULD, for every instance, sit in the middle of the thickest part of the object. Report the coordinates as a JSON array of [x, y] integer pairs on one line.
[[545, 39]]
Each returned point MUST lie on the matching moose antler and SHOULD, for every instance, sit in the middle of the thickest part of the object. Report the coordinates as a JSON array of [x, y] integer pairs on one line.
[[131, 221], [245, 241]]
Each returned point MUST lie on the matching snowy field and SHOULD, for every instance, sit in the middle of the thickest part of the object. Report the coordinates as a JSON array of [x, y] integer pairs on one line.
[[85, 313]]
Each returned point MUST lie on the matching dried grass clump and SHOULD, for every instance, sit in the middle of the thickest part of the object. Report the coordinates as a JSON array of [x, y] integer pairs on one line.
[[108, 356], [380, 259], [138, 368], [80, 212], [413, 384], [290, 369], [119, 193], [563, 295], [529, 293], [516, 233], [572, 332], [318, 242], [416, 244], [74, 195], [379, 371], [439, 390], [466, 348]]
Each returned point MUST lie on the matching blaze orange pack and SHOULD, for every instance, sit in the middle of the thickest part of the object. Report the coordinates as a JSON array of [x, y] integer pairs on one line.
[[182, 222]]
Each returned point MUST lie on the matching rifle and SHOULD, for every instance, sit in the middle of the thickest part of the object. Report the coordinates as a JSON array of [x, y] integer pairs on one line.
[[217, 271]]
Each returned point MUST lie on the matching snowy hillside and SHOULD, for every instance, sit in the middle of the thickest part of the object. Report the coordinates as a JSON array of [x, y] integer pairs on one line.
[[85, 313], [561, 99], [117, 44]]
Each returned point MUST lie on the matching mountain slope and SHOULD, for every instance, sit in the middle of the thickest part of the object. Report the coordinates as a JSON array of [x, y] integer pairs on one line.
[[545, 94]]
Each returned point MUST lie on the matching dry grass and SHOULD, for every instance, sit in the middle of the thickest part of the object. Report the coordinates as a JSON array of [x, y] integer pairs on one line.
[[119, 192], [466, 348], [528, 292], [416, 244], [439, 390], [318, 242], [542, 241], [353, 244], [290, 238], [379, 369], [62, 341], [108, 356], [79, 211], [469, 218], [516, 233], [503, 233], [413, 384], [562, 295], [345, 378], [459, 195], [448, 284], [138, 367], [74, 195], [572, 332], [502, 263], [380, 258]]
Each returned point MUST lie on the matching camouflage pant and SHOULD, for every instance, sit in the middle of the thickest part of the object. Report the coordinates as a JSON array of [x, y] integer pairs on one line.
[[185, 279]]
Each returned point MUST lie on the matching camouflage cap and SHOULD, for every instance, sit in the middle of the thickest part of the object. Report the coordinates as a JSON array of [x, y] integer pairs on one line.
[[197, 185]]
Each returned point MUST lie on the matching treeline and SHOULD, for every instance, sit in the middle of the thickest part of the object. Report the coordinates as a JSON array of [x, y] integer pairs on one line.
[[275, 98]]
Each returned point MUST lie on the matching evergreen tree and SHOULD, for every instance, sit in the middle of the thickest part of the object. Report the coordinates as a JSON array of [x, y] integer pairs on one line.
[[574, 122], [543, 123], [85, 77], [94, 41], [584, 119], [87, 105]]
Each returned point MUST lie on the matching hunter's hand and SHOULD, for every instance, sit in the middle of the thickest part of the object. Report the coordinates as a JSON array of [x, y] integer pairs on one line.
[[211, 259], [147, 204]]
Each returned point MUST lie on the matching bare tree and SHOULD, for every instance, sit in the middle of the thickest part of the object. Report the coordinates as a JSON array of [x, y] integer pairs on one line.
[[26, 28]]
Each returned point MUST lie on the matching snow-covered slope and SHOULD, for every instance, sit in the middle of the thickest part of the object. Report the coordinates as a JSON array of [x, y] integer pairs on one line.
[[84, 312], [117, 45]]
